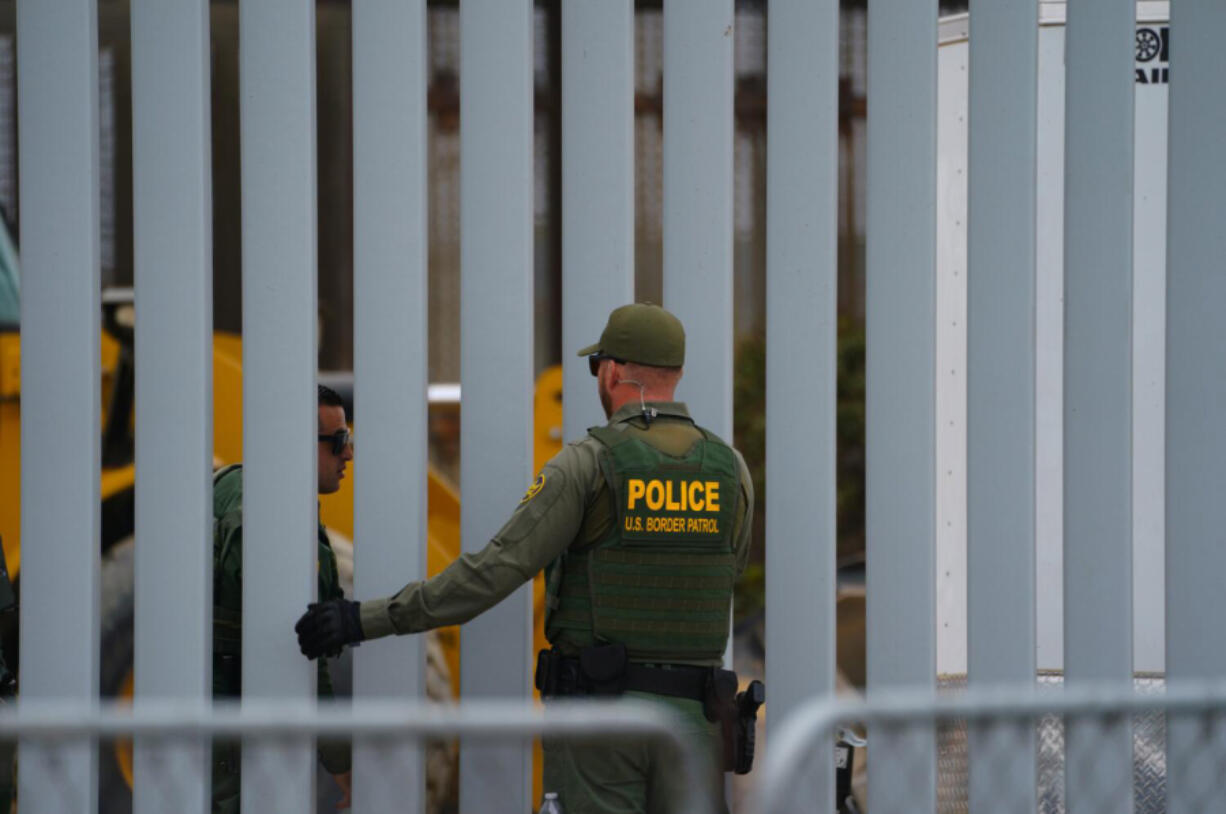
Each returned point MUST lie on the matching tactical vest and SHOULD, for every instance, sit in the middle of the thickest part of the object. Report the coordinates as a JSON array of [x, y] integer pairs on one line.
[[228, 599], [661, 582]]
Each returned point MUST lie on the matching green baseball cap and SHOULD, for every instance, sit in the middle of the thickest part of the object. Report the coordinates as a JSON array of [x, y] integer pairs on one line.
[[642, 333]]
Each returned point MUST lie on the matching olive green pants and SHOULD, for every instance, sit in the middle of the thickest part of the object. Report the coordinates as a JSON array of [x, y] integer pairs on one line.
[[634, 775]]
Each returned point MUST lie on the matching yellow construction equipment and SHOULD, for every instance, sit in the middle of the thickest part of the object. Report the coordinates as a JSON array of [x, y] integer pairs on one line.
[[118, 479]]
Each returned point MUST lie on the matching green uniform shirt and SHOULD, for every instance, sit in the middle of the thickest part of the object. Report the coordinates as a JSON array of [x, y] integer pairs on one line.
[[568, 507], [228, 592]]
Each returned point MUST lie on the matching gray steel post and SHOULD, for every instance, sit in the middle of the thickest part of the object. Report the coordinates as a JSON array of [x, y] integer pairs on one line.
[[597, 188], [277, 107], [802, 313], [57, 87], [1195, 391], [390, 341], [173, 246], [698, 42], [496, 185], [1098, 213], [900, 260], [1001, 386]]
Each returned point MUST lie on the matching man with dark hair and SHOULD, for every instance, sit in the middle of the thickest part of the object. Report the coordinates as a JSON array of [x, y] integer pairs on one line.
[[335, 448], [642, 528]]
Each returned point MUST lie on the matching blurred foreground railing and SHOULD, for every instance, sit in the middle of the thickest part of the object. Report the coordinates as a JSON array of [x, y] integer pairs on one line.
[[47, 732], [1187, 778]]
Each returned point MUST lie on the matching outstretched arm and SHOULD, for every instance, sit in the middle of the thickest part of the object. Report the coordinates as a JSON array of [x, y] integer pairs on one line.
[[539, 530]]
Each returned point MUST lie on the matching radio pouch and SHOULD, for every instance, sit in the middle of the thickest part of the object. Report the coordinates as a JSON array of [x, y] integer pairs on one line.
[[604, 668]]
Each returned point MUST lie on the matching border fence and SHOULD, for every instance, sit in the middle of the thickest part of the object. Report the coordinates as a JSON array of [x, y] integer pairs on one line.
[[59, 181], [1004, 721]]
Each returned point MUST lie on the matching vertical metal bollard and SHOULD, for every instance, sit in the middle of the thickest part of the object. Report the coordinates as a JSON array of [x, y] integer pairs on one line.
[[1098, 218], [1001, 389], [597, 188], [698, 52], [57, 56], [280, 422], [698, 72], [172, 197], [900, 415], [496, 186], [390, 356], [802, 317], [1196, 384]]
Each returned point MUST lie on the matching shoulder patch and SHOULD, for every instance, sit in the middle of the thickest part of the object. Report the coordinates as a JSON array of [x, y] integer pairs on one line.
[[534, 489]]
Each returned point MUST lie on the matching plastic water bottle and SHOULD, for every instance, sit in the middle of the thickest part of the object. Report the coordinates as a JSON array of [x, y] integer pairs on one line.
[[550, 804]]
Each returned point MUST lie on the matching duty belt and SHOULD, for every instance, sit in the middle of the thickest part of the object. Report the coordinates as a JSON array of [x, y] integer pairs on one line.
[[680, 681], [604, 671]]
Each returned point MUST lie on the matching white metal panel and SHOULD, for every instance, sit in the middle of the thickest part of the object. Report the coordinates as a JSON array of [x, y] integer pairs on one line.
[[698, 200], [597, 188], [1049, 355], [1149, 241], [1148, 361], [1054, 12], [173, 253], [390, 359], [802, 304], [496, 364], [58, 132], [280, 421], [951, 360]]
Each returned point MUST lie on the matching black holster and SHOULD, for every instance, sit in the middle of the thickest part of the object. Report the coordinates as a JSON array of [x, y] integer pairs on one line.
[[739, 749]]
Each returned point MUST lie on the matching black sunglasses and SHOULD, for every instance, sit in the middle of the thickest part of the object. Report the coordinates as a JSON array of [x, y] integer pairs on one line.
[[594, 360], [340, 439]]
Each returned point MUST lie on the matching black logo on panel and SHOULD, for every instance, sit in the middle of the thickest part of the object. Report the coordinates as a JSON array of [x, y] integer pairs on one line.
[[1153, 54]]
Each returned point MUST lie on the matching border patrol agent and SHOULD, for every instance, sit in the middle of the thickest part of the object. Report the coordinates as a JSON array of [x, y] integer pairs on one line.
[[642, 528], [335, 450]]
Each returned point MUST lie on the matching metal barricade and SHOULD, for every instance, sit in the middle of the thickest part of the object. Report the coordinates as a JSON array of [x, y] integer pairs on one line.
[[181, 734], [1011, 718]]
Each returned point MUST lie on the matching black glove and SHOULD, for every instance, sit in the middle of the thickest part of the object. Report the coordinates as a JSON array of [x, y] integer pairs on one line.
[[327, 627]]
